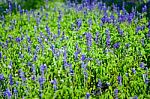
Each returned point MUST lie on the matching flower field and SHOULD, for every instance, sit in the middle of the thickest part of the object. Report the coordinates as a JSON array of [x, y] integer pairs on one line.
[[74, 51]]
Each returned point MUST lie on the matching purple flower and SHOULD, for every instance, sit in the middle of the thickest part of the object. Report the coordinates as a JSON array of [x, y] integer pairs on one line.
[[135, 97], [34, 57], [83, 57], [76, 55], [33, 77], [87, 95], [0, 55], [11, 80], [116, 45], [90, 21], [79, 23], [18, 40], [15, 91], [53, 48], [133, 70], [47, 30], [120, 80], [89, 40], [85, 75], [127, 45], [99, 84], [148, 35], [71, 72], [60, 15], [29, 49], [8, 93], [107, 38], [10, 6], [138, 28], [54, 82], [144, 9], [22, 75], [39, 40], [42, 68], [116, 93], [96, 38], [41, 81], [142, 65], [1, 77]]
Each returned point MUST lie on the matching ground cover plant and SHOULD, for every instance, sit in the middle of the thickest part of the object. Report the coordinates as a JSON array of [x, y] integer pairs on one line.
[[69, 50]]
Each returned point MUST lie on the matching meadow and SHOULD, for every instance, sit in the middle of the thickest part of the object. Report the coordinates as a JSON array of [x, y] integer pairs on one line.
[[74, 51]]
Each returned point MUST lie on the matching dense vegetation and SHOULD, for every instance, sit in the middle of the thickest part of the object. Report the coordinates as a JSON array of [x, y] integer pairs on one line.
[[70, 50]]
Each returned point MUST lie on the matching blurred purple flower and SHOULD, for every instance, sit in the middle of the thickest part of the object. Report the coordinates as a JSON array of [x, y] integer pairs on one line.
[[85, 75], [135, 97], [33, 69], [116, 93], [142, 65], [22, 76], [76, 55], [90, 21], [120, 80], [127, 45], [133, 70], [33, 77], [18, 40], [11, 80], [79, 23], [89, 40], [0, 55], [144, 9], [71, 72], [47, 30], [8, 93], [96, 38], [15, 91], [87, 96], [138, 28], [54, 82], [148, 35], [60, 15], [42, 68], [83, 57], [39, 40], [10, 6], [99, 84], [107, 38], [1, 77], [116, 45], [34, 57], [41, 81]]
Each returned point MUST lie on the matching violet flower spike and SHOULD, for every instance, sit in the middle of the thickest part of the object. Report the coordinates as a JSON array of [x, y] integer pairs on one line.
[[116, 93], [8, 93], [116, 45], [89, 40], [11, 80], [120, 80], [99, 85]]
